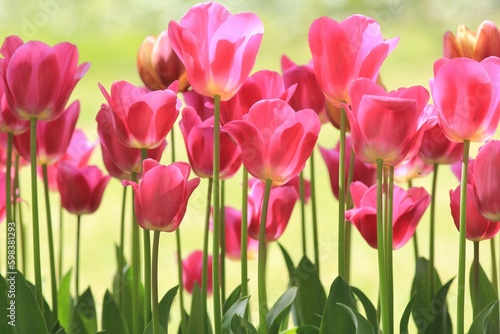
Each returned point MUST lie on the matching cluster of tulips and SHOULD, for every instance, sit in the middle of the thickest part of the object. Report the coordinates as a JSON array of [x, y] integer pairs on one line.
[[266, 125]]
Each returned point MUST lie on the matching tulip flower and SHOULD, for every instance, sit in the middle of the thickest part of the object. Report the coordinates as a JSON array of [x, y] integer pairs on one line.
[[203, 105], [81, 188], [53, 137], [192, 271], [477, 227], [158, 64], [199, 140], [127, 160], [467, 97], [142, 119], [8, 121], [409, 207], [275, 140], [161, 197], [281, 203], [400, 122], [412, 169], [487, 180], [476, 45], [39, 79], [217, 48], [344, 51], [363, 172]]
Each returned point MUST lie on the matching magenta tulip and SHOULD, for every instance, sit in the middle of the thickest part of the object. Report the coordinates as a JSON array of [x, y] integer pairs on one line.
[[203, 105], [275, 140], [199, 140], [162, 195], [399, 118], [192, 271], [8, 121], [217, 48], [409, 207], [412, 169], [467, 95], [487, 180], [142, 119]]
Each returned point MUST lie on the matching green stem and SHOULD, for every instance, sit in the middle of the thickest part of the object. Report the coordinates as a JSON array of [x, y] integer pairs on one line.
[[341, 221], [414, 238], [475, 280], [389, 248], [348, 226], [204, 279], [136, 266], [61, 238], [17, 204], [222, 242], [154, 283], [50, 235], [262, 261], [244, 239], [147, 261], [77, 262], [121, 255], [8, 208], [314, 209], [302, 213], [216, 199], [432, 231], [494, 277], [36, 227], [462, 244], [384, 308]]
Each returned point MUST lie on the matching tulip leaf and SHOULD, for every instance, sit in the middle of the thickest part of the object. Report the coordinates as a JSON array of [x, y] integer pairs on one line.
[[149, 329], [405, 318], [334, 317], [128, 314], [112, 319], [306, 329], [165, 305], [370, 310], [289, 263], [486, 295], [241, 325], [482, 323], [437, 318], [361, 325], [231, 299], [84, 316], [4, 304], [238, 308], [280, 310], [195, 318], [311, 296], [65, 302]]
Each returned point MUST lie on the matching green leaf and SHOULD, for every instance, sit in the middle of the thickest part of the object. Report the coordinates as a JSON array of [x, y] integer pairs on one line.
[[241, 325], [195, 318], [306, 329], [165, 306], [487, 295], [112, 319], [65, 301], [289, 264], [311, 297], [481, 323], [437, 318], [238, 308], [84, 317], [361, 325], [52, 324], [231, 299], [280, 310], [128, 288], [405, 318], [149, 329], [370, 310], [333, 317]]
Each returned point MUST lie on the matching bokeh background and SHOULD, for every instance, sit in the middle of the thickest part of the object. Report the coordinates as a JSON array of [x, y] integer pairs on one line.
[[108, 34]]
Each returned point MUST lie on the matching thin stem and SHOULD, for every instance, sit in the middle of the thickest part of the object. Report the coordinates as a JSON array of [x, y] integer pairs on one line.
[[17, 204], [389, 248], [244, 239], [432, 231], [341, 236], [302, 213], [121, 255], [136, 265], [61, 238], [36, 227], [494, 277], [475, 280], [348, 226], [154, 282], [216, 199], [147, 262], [314, 209], [384, 308], [462, 244], [77, 262], [52, 260], [262, 261], [222, 242], [8, 207], [204, 279], [415, 238]]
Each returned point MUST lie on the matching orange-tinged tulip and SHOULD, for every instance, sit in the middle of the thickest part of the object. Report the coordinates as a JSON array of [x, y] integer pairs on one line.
[[476, 45]]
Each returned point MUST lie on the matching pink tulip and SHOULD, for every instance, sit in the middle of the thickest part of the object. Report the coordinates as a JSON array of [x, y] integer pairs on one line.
[[281, 203], [409, 207], [53, 137], [363, 172], [487, 180], [81, 188], [39, 79], [217, 48], [387, 126], [115, 154], [161, 197], [199, 140], [344, 51], [203, 105], [467, 97], [192, 271], [275, 140], [142, 119], [412, 169], [477, 227], [8, 121]]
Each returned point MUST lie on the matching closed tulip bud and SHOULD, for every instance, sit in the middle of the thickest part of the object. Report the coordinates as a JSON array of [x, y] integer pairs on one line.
[[476, 45], [487, 180]]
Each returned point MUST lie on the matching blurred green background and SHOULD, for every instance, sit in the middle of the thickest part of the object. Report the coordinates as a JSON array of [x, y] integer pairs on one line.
[[108, 34]]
